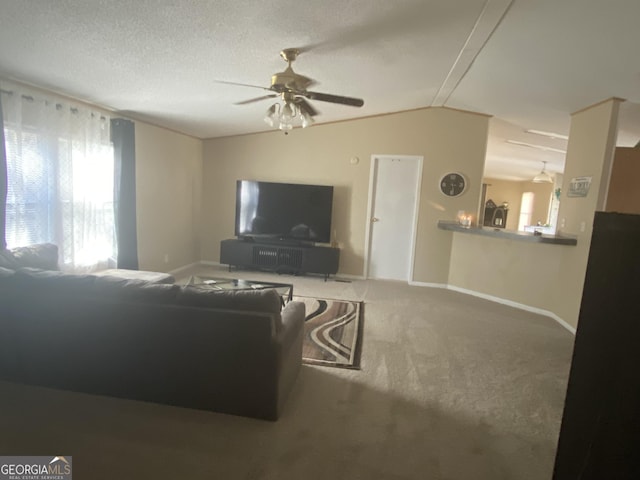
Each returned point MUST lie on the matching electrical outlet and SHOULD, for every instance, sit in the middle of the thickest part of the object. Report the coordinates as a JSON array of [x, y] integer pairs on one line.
[[166, 258], [583, 225]]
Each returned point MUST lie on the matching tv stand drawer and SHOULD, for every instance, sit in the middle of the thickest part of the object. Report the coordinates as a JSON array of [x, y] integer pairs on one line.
[[280, 258]]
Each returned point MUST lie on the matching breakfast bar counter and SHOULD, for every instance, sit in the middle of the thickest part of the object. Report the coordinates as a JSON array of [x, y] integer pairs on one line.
[[508, 234]]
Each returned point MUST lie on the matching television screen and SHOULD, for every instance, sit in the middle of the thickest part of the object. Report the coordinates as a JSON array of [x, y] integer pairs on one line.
[[284, 211]]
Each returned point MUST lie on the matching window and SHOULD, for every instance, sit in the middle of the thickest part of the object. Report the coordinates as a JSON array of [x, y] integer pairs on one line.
[[526, 210], [60, 178]]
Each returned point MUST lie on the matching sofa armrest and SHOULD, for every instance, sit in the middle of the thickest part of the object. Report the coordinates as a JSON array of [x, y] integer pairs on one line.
[[7, 260], [292, 315], [40, 255], [289, 351]]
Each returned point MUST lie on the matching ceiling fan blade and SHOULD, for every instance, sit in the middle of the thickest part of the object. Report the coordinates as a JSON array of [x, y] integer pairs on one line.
[[306, 106], [257, 99], [392, 24], [325, 97], [241, 84]]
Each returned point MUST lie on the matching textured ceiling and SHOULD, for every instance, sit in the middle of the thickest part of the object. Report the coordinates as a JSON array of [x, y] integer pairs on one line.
[[528, 63]]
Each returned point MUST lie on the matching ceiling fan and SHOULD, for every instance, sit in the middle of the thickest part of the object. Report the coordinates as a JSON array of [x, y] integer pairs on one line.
[[292, 87]]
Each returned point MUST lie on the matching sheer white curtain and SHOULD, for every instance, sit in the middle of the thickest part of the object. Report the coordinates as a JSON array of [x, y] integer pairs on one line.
[[60, 177]]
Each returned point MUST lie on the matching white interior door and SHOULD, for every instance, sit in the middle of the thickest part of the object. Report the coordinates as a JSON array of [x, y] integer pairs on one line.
[[393, 207]]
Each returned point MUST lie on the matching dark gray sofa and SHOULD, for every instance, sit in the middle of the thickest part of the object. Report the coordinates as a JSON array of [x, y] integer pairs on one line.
[[237, 352]]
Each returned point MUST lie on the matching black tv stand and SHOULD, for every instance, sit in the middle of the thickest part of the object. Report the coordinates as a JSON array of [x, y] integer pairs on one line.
[[279, 257], [287, 242]]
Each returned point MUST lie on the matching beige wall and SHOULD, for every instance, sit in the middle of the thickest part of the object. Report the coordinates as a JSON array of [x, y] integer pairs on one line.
[[511, 270], [546, 277], [590, 153], [168, 184], [449, 140], [624, 192]]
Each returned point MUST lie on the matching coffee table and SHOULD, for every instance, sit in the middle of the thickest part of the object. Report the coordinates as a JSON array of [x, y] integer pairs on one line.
[[151, 277], [219, 283]]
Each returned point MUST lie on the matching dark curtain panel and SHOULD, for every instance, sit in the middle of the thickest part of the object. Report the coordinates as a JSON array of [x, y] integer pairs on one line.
[[3, 183], [124, 195]]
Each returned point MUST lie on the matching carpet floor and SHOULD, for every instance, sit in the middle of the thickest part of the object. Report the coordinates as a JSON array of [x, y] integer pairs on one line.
[[451, 387]]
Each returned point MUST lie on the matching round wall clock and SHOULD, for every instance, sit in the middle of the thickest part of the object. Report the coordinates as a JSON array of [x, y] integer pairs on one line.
[[453, 184]]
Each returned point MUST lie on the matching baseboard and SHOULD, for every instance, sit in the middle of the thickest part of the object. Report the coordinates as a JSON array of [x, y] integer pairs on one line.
[[427, 284], [513, 304], [347, 276], [209, 263], [495, 299]]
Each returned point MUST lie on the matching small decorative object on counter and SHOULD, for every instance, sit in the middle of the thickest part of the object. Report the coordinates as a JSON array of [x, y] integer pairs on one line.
[[464, 219]]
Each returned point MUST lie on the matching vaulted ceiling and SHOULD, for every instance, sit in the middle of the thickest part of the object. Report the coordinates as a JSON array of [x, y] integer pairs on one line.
[[527, 63]]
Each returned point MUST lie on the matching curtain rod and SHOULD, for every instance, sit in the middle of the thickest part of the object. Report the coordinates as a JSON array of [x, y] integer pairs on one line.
[[57, 104]]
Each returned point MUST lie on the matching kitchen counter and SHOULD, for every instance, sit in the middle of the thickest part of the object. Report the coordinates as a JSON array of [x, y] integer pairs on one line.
[[508, 234]]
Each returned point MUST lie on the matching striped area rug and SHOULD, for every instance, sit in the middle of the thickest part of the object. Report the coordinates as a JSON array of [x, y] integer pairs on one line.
[[333, 332]]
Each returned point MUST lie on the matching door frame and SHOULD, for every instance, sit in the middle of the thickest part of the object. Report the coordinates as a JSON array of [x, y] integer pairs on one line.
[[416, 210]]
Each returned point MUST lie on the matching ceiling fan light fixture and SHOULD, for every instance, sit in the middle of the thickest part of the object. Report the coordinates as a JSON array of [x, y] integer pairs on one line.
[[282, 117], [543, 176], [291, 87], [306, 116], [272, 114], [285, 125], [307, 120], [288, 111], [287, 114]]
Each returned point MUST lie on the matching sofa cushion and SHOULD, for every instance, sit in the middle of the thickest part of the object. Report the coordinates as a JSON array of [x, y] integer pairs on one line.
[[53, 281], [7, 260], [6, 272], [6, 278], [41, 255], [114, 288], [267, 301], [151, 277], [134, 290]]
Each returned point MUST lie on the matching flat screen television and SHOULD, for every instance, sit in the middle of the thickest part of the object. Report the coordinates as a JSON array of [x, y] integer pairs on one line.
[[283, 211]]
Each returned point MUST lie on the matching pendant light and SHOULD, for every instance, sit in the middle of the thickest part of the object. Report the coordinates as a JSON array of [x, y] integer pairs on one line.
[[543, 176]]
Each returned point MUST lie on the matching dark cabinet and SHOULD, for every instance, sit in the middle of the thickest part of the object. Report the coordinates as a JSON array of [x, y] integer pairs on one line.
[[281, 258], [600, 431], [494, 215]]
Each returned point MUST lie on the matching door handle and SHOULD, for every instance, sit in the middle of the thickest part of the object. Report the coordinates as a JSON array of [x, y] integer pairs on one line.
[[374, 219]]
